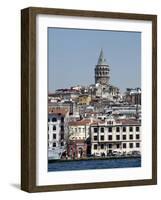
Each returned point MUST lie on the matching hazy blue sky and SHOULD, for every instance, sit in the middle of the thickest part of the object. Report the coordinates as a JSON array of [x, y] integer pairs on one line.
[[73, 54]]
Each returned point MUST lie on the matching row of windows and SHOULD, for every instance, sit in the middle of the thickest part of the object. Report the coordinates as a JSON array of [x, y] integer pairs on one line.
[[55, 144], [54, 136], [78, 130], [54, 119], [118, 146], [124, 137], [131, 128], [101, 73], [54, 128]]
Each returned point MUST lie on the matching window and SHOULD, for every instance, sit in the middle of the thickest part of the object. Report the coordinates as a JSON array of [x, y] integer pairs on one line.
[[117, 146], [124, 129], [95, 130], [54, 119], [131, 145], [54, 128], [117, 137], [48, 120], [137, 136], [79, 130], [102, 146], [124, 137], [117, 129], [124, 145], [102, 130], [95, 137], [110, 129], [48, 128], [131, 137], [131, 129], [95, 146], [102, 137], [137, 129], [110, 146], [75, 129], [137, 145], [62, 136], [62, 128], [62, 119], [54, 136], [110, 137], [62, 143], [54, 144]]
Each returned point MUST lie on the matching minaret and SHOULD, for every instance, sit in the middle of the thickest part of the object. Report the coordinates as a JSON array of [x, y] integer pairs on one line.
[[102, 70]]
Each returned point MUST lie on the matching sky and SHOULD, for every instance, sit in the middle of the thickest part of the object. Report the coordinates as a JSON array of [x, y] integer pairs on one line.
[[73, 55]]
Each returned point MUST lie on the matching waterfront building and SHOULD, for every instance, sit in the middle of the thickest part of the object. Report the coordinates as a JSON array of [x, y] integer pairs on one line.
[[77, 149], [115, 137], [79, 137], [79, 130], [57, 132]]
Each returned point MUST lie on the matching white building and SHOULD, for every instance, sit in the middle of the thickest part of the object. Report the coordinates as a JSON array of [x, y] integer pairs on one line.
[[79, 130], [57, 132], [115, 137]]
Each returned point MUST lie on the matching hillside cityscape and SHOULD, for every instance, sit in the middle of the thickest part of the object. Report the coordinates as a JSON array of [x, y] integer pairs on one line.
[[94, 121]]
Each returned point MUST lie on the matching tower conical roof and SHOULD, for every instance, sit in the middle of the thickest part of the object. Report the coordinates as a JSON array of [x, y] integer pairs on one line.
[[101, 59]]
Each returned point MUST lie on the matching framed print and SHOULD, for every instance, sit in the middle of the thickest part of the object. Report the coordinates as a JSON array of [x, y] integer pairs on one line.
[[88, 99]]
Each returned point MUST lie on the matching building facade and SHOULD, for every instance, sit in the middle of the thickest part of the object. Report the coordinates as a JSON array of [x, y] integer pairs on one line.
[[115, 137], [84, 99], [57, 132]]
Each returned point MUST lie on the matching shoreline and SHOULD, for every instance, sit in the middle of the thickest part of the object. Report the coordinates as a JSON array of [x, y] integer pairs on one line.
[[93, 158]]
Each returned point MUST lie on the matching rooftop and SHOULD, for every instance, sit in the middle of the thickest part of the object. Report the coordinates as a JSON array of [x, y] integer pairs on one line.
[[59, 111], [82, 122]]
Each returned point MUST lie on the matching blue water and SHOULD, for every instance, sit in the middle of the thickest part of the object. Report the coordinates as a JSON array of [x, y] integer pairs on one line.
[[94, 164]]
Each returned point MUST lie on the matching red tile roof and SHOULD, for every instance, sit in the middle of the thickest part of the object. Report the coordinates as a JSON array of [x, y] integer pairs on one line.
[[82, 122]]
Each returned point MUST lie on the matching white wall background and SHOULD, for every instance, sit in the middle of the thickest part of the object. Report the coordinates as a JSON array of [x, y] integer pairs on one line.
[[10, 98]]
